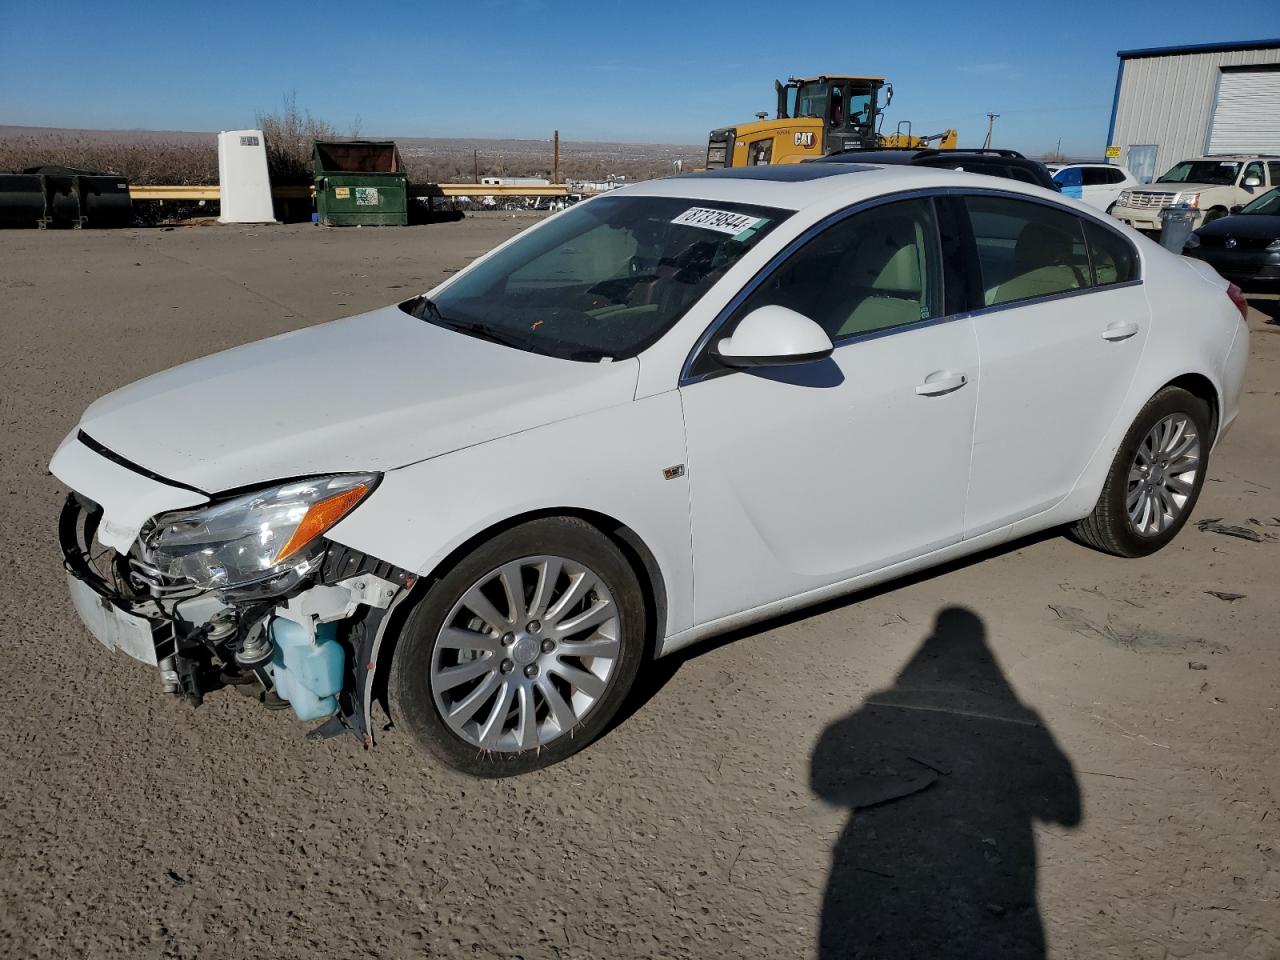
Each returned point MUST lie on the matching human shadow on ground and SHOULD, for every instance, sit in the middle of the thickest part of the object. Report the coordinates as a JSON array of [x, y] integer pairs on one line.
[[944, 775]]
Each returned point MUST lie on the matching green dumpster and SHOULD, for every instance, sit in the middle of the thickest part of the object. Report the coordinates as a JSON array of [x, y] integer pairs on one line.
[[360, 183]]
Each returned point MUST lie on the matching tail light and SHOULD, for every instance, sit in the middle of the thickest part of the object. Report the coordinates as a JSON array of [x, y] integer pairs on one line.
[[1236, 296]]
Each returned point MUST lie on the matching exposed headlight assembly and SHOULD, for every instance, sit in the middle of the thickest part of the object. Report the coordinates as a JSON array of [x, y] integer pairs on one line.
[[268, 539]]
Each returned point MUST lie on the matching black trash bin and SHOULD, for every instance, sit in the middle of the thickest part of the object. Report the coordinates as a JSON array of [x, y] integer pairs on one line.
[[21, 200], [1176, 224]]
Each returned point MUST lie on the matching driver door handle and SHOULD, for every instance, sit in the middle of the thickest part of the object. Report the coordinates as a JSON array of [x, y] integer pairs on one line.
[[941, 381], [1120, 330]]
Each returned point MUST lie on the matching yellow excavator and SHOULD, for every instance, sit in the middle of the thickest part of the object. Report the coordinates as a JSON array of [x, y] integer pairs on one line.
[[816, 116]]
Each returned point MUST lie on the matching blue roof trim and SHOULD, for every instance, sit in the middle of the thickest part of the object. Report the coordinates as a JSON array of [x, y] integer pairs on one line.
[[1115, 105], [1199, 48]]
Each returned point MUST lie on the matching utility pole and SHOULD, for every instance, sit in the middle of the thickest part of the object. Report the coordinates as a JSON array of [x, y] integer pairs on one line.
[[991, 122], [555, 168], [475, 165]]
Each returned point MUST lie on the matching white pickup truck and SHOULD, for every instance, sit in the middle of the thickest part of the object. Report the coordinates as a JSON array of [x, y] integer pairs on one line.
[[1213, 186]]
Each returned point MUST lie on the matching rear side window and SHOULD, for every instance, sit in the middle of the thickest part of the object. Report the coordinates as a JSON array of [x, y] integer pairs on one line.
[[1027, 250], [1096, 176], [1113, 257], [1274, 167], [1114, 175]]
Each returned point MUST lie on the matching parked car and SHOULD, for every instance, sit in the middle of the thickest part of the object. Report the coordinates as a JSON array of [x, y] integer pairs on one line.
[[1097, 184], [1245, 246], [491, 501], [1009, 164], [1209, 185]]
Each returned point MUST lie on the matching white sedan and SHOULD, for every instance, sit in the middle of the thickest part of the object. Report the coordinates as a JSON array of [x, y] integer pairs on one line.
[[661, 414]]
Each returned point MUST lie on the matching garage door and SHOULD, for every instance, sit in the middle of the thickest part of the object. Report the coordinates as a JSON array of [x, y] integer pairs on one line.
[[1245, 118]]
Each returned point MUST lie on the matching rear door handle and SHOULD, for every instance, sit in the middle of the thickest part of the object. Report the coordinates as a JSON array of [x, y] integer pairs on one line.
[[941, 381], [1120, 330]]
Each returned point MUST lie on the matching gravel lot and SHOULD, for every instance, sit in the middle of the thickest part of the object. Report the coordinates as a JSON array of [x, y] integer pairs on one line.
[[1096, 737]]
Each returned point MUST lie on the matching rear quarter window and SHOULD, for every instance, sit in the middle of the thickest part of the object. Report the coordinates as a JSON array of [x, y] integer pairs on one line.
[[1113, 257]]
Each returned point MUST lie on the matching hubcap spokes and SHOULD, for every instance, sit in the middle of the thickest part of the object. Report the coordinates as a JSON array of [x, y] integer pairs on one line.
[[525, 654], [1163, 475]]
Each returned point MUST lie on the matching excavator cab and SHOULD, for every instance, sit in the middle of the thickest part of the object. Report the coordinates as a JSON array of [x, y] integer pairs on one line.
[[816, 116], [849, 107]]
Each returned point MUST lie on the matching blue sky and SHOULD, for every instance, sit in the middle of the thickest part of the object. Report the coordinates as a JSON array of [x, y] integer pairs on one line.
[[652, 71]]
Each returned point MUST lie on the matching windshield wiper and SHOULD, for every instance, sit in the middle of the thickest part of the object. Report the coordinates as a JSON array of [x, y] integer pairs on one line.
[[425, 309]]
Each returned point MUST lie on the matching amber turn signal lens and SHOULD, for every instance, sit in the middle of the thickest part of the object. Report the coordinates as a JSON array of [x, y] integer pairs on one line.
[[319, 518]]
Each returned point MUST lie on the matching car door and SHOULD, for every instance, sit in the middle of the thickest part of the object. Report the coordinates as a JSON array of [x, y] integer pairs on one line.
[[1060, 325], [809, 475]]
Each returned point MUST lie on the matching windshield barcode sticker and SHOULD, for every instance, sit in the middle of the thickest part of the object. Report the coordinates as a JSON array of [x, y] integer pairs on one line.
[[720, 220]]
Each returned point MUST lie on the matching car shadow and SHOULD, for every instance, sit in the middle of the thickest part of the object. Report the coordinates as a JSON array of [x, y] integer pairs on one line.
[[1269, 308], [944, 775], [658, 673]]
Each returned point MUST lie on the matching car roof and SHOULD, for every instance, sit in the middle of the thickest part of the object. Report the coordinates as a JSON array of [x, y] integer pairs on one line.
[[796, 186]]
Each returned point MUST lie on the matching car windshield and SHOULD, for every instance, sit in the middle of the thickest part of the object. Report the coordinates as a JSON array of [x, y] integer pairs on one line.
[[1268, 204], [1202, 171], [603, 280]]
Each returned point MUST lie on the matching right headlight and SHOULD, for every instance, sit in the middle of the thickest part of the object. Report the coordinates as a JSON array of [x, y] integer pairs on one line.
[[1193, 241], [273, 534], [1125, 197]]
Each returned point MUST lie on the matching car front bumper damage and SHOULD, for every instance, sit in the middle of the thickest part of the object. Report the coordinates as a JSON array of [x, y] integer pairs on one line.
[[312, 649]]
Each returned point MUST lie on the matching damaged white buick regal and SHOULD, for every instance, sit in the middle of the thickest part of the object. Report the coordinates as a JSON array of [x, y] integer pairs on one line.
[[669, 411]]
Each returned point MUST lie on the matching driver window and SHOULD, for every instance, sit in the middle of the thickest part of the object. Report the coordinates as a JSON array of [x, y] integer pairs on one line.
[[1253, 170], [872, 271]]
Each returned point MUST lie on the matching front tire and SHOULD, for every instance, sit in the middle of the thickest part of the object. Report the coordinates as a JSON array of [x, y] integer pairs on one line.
[[523, 652], [1155, 478]]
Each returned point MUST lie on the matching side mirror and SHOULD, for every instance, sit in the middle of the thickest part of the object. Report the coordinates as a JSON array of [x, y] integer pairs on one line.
[[774, 336], [1252, 182]]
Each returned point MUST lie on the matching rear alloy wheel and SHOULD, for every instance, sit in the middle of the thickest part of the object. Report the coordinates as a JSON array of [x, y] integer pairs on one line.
[[522, 654], [1155, 478]]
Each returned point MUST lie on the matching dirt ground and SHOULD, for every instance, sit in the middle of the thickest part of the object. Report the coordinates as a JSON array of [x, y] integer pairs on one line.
[[1079, 750]]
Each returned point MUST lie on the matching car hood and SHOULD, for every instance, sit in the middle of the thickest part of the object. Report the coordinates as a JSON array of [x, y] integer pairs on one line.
[[369, 393], [1177, 187], [1254, 226]]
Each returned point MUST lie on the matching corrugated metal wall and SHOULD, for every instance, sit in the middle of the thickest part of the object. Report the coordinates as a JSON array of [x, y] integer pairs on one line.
[[1168, 101]]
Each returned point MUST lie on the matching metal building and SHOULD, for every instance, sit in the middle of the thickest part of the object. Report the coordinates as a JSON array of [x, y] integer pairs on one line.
[[1209, 98]]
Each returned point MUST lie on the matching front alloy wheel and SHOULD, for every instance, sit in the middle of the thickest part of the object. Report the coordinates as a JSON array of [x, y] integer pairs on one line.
[[523, 652]]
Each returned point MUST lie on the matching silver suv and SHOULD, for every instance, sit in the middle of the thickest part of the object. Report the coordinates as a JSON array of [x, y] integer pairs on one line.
[[1211, 185]]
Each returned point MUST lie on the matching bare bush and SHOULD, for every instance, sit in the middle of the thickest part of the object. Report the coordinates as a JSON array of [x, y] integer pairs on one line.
[[290, 136], [141, 162]]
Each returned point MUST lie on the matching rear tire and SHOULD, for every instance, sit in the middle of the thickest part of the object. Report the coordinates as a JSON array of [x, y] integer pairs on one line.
[[494, 675], [1150, 489]]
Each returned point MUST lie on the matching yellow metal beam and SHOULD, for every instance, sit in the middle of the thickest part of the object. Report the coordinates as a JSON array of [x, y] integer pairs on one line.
[[298, 191], [152, 192]]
